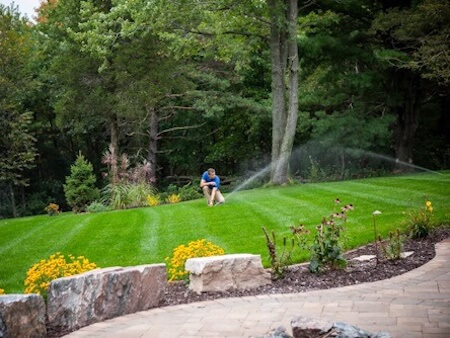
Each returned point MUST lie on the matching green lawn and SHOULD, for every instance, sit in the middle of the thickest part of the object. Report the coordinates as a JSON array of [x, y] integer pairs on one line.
[[148, 235]]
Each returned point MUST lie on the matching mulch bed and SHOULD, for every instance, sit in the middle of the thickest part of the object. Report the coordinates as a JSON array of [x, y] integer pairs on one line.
[[300, 279]]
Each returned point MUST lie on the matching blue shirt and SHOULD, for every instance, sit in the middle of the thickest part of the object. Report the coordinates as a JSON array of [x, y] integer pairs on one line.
[[216, 180]]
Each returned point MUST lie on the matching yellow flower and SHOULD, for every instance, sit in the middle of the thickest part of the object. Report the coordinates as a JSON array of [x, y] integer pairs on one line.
[[199, 248], [428, 204], [41, 274]]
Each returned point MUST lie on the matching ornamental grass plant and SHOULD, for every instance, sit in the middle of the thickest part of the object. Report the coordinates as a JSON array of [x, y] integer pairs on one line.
[[148, 235]]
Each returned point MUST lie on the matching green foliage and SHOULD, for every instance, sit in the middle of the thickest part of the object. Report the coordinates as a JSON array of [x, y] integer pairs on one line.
[[16, 147], [417, 39], [393, 247], [125, 195], [187, 192], [80, 189], [419, 223], [327, 247], [316, 173], [95, 207], [279, 261]]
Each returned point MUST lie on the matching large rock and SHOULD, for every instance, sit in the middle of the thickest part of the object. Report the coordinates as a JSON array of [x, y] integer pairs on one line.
[[101, 294], [22, 316], [222, 273], [305, 327]]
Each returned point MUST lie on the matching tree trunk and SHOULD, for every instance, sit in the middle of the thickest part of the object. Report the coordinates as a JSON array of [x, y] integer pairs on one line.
[[13, 200], [286, 121], [407, 121], [342, 156], [278, 62], [114, 149], [153, 143]]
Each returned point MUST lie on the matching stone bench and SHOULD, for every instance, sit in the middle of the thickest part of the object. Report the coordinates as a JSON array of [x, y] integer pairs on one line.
[[222, 273]]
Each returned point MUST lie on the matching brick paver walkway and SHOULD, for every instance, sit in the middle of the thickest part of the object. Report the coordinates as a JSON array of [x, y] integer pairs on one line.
[[415, 304]]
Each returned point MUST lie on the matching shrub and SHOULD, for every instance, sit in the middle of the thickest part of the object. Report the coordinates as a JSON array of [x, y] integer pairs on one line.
[[316, 173], [280, 261], [126, 195], [420, 223], [173, 198], [190, 192], [199, 248], [153, 200], [327, 247], [80, 186], [393, 247], [95, 207], [41, 274], [52, 209], [186, 193]]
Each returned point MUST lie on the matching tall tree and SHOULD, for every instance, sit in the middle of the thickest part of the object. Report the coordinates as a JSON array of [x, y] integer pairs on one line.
[[230, 30], [414, 49], [284, 61], [17, 150]]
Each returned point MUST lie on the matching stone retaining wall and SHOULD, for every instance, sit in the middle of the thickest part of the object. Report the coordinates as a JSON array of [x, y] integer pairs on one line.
[[84, 299], [97, 295], [222, 273]]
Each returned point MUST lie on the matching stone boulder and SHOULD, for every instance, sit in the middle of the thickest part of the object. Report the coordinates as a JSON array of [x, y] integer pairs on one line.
[[222, 273], [304, 327], [97, 295], [22, 316]]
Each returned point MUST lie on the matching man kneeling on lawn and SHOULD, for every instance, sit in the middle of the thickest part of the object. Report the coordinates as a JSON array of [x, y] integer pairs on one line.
[[210, 184]]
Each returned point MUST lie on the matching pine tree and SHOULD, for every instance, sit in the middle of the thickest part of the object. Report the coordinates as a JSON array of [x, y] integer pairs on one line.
[[80, 186]]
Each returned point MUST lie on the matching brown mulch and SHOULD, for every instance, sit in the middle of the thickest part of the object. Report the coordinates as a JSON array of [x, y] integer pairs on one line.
[[300, 279]]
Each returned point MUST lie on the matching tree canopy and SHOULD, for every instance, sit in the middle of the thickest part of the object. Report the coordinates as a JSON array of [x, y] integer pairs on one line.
[[180, 86]]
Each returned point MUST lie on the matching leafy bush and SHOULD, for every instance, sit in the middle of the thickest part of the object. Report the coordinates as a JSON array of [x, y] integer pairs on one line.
[[52, 209], [56, 266], [393, 247], [280, 261], [327, 247], [190, 192], [95, 207], [80, 186], [126, 195], [186, 193], [199, 248], [173, 198], [316, 173], [420, 223], [153, 200]]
